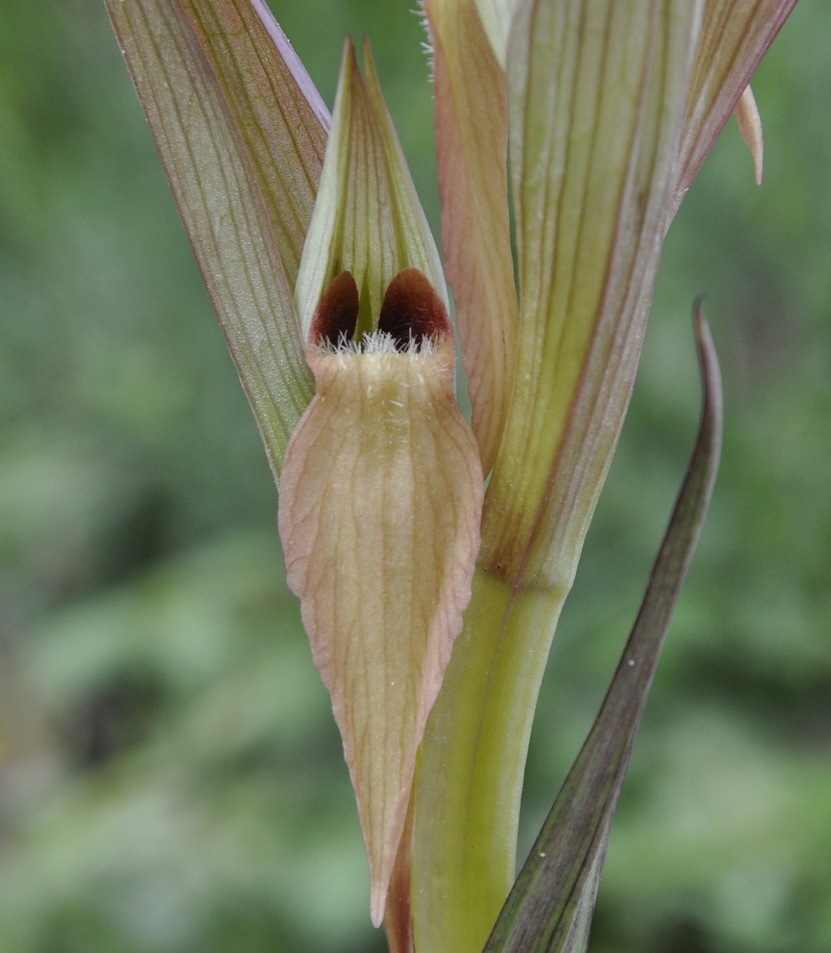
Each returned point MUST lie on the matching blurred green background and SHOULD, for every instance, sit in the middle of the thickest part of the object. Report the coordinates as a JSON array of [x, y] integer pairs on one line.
[[171, 776]]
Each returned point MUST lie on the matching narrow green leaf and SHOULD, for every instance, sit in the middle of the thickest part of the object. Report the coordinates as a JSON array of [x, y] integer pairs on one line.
[[550, 906], [189, 62]]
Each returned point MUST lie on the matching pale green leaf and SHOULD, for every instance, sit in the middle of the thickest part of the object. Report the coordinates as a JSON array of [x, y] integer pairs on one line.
[[275, 107], [750, 127]]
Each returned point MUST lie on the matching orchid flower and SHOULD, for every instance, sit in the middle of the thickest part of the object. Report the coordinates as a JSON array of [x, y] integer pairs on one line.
[[432, 556]]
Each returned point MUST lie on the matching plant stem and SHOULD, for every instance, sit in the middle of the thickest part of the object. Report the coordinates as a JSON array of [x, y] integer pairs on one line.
[[472, 765]]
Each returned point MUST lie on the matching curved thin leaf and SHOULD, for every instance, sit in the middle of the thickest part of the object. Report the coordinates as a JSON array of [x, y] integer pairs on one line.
[[549, 909]]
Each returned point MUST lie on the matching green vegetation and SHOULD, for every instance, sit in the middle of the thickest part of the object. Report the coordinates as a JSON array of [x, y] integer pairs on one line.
[[171, 779]]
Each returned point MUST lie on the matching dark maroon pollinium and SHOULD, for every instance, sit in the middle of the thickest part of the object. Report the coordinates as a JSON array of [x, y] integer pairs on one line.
[[412, 311], [337, 314]]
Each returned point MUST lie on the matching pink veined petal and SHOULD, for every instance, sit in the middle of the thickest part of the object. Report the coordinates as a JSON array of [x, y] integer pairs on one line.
[[735, 36], [471, 131], [380, 500]]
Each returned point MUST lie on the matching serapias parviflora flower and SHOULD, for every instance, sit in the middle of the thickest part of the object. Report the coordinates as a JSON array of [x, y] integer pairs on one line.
[[381, 489]]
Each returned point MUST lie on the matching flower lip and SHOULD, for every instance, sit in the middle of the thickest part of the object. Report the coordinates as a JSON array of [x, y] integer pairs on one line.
[[413, 317], [380, 506]]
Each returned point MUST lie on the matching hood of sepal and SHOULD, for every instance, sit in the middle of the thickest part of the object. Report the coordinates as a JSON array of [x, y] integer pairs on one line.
[[380, 504], [350, 230]]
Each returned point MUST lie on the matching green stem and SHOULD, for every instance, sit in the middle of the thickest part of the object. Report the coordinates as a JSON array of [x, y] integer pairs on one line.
[[473, 762]]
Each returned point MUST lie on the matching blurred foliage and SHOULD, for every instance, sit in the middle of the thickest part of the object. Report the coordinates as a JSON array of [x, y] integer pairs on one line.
[[171, 777]]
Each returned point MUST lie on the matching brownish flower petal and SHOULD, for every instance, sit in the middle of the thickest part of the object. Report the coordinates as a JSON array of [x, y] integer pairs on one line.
[[380, 500], [735, 36], [471, 135]]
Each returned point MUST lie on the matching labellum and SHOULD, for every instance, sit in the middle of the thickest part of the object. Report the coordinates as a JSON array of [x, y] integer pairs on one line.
[[380, 502]]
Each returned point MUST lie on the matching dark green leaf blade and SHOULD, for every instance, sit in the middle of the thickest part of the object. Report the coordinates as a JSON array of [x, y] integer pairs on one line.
[[197, 113], [549, 909]]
